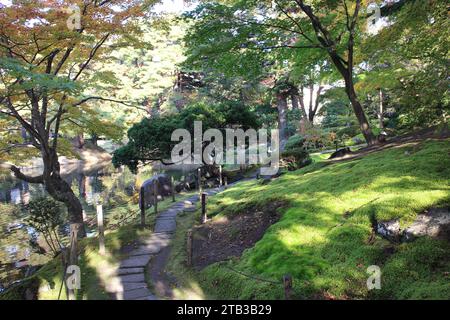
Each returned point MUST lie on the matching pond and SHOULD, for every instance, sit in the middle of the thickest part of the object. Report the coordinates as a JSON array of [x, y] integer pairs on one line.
[[21, 247]]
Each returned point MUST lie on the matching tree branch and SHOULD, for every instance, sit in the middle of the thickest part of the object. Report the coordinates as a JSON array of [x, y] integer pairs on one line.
[[19, 175]]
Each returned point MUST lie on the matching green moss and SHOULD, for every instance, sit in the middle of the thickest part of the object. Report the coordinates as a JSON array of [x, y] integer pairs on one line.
[[322, 237]]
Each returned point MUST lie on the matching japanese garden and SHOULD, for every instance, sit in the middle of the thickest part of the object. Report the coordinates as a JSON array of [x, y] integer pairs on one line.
[[224, 150]]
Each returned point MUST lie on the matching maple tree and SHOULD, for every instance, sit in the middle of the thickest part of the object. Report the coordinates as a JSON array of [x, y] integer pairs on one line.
[[47, 50]]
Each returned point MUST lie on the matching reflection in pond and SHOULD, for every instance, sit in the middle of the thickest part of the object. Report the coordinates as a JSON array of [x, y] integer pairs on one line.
[[22, 248]]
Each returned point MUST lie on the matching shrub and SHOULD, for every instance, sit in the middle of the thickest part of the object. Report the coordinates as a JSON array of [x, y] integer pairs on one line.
[[295, 158], [294, 142], [45, 217]]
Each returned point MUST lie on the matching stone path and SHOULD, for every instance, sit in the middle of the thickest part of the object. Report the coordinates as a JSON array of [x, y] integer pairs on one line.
[[130, 283]]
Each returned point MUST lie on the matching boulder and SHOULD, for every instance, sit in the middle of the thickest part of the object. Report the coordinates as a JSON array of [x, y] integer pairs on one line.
[[433, 223], [162, 182], [340, 153]]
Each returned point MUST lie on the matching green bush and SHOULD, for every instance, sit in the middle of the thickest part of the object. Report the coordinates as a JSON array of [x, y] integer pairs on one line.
[[295, 158], [294, 142], [45, 216]]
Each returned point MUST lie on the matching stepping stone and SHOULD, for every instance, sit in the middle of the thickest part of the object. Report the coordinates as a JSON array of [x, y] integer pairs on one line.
[[134, 285], [135, 262], [135, 294], [165, 225], [160, 237], [139, 277], [149, 248], [122, 287], [150, 297], [124, 271], [169, 214]]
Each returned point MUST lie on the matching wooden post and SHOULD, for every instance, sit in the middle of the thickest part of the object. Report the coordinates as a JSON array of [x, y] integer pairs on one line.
[[287, 283], [226, 181], [220, 175], [75, 230], [204, 216], [155, 198], [101, 230], [199, 180], [142, 205], [189, 246], [172, 188]]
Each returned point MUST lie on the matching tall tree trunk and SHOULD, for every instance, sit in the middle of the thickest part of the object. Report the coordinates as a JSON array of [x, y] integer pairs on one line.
[[282, 107], [60, 190], [295, 101], [311, 98], [380, 111], [359, 112]]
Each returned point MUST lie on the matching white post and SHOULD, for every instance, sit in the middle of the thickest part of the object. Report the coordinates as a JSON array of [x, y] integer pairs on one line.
[[101, 231]]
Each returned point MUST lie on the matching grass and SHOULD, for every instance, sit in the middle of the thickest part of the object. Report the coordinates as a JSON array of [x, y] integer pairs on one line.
[[322, 237], [96, 269]]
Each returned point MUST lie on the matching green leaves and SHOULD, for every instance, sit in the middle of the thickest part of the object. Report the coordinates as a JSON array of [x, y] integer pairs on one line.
[[31, 79], [150, 139]]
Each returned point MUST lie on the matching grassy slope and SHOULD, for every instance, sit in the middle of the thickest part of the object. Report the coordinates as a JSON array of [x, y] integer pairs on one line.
[[328, 253]]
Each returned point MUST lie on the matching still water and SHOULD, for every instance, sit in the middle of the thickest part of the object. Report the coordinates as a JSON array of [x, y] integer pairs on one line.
[[21, 251]]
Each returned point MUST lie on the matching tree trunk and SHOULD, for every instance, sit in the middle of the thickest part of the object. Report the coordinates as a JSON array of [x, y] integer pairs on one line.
[[359, 112], [380, 112], [60, 190], [79, 141], [282, 118], [94, 139], [295, 101]]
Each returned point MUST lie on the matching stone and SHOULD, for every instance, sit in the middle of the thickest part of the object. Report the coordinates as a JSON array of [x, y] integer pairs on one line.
[[389, 229], [169, 214], [149, 297], [190, 209], [139, 277], [165, 225], [124, 271], [433, 223], [137, 293], [135, 262], [146, 250], [340, 153]]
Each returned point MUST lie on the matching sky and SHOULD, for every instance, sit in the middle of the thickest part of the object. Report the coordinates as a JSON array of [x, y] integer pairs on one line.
[[166, 6]]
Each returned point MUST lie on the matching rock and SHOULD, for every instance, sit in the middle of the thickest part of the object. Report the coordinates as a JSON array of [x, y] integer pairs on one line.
[[434, 223], [125, 271], [138, 278], [389, 230], [340, 153], [135, 262], [163, 186], [135, 294], [165, 225]]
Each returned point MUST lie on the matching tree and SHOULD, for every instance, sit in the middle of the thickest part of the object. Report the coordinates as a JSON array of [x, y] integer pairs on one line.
[[141, 150], [407, 60], [45, 68], [250, 26]]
